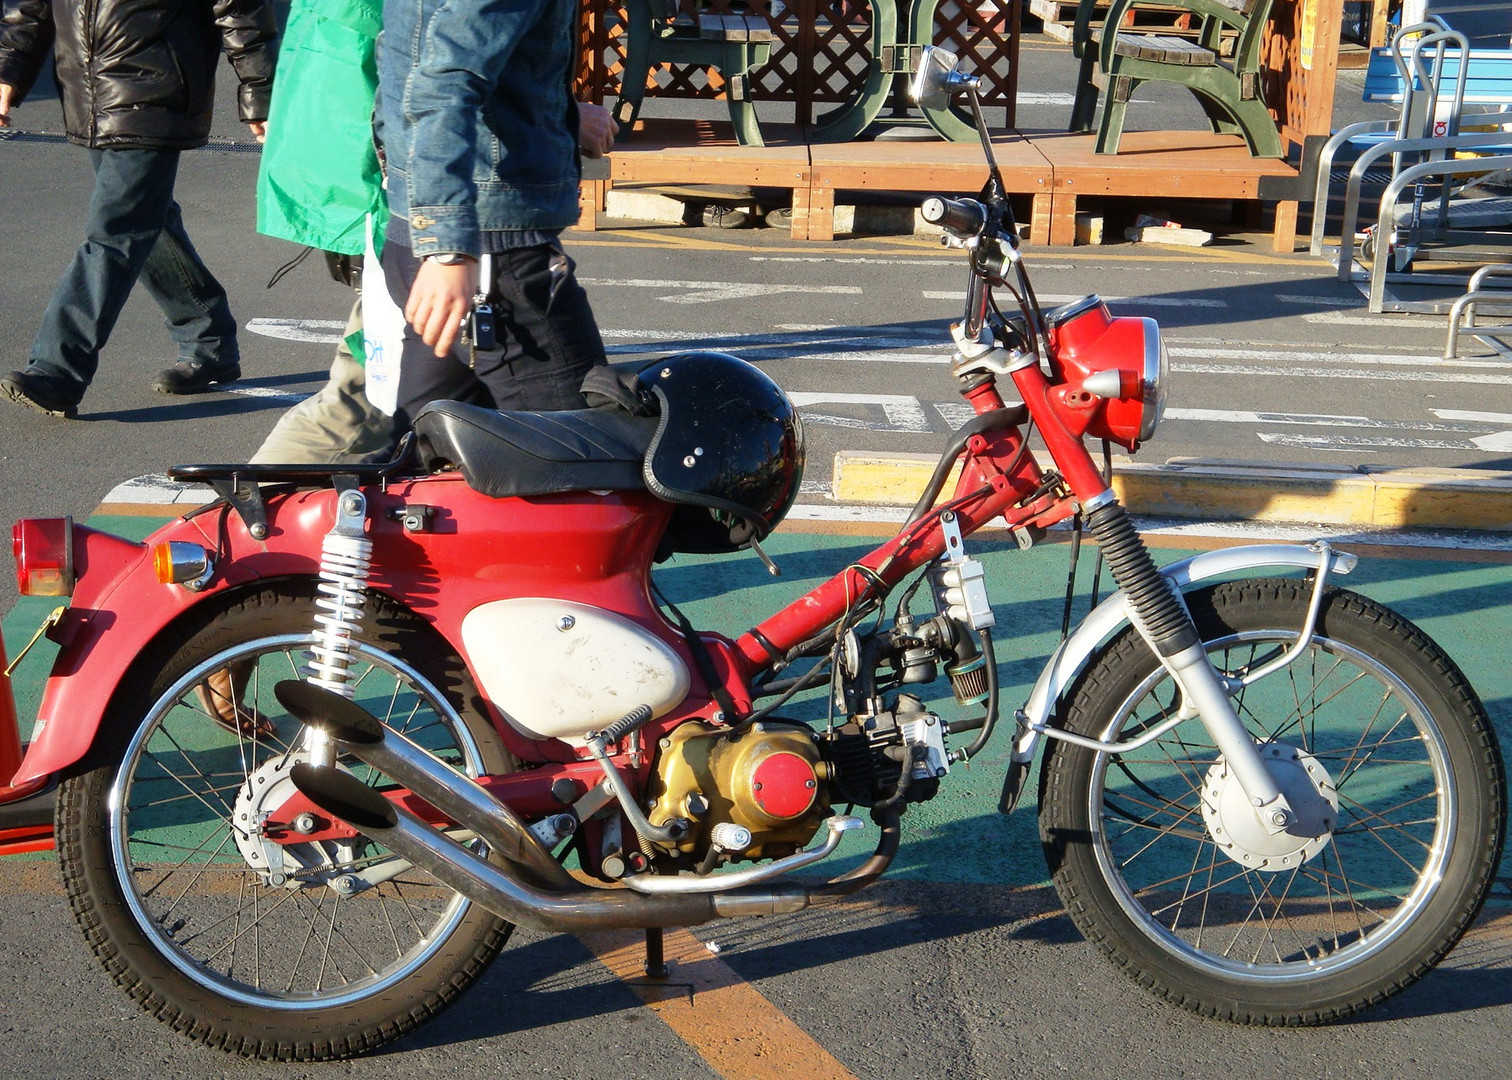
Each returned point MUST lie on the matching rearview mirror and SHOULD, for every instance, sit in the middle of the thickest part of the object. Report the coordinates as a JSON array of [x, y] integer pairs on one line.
[[937, 79]]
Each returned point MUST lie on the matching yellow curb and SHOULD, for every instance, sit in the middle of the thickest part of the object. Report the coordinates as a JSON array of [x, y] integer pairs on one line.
[[1238, 491]]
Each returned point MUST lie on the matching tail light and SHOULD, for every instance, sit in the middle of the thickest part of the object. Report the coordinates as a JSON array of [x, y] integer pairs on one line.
[[1111, 373], [44, 553]]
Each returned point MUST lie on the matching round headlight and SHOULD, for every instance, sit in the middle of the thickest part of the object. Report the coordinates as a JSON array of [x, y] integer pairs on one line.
[[1157, 365]]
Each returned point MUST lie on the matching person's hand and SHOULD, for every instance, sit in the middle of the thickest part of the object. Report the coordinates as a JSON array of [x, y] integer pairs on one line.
[[6, 92], [259, 129], [439, 300], [596, 129]]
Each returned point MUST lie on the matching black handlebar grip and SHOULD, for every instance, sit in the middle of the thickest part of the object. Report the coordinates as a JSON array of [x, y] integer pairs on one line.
[[962, 217]]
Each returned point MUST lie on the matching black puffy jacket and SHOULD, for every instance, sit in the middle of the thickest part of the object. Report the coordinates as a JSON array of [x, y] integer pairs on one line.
[[140, 73]]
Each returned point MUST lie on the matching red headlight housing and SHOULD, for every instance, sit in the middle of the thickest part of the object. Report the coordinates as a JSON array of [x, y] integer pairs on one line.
[[1110, 373], [44, 553]]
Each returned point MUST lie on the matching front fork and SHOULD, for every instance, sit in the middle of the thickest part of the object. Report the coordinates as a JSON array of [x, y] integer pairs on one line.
[[1163, 620]]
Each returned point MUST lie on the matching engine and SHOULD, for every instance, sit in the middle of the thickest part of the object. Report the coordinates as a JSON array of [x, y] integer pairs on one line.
[[758, 792], [761, 790]]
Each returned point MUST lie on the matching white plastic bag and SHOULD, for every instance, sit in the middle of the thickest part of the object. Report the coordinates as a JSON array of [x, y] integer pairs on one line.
[[382, 330]]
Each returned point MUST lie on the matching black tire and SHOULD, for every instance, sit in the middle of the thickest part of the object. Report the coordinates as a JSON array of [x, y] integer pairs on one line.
[[198, 927], [1242, 928]]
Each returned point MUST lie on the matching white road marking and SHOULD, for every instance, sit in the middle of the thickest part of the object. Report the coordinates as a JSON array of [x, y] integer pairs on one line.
[[267, 392], [903, 412], [1322, 301], [1361, 443], [1065, 298], [323, 331], [1484, 417], [1335, 318], [1334, 356], [1345, 373], [703, 292], [1240, 416]]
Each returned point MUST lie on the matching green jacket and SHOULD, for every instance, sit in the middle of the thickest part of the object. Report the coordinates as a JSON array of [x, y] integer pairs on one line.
[[319, 177]]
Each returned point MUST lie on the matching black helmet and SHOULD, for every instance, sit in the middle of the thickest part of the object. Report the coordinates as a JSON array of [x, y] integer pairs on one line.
[[728, 440]]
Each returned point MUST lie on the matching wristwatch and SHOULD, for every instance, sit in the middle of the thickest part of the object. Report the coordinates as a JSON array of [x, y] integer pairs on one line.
[[450, 258]]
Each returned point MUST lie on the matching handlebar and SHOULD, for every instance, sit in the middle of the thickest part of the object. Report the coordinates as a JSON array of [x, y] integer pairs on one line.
[[962, 218]]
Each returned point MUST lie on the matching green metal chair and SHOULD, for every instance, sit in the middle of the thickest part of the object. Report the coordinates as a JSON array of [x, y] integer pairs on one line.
[[658, 33], [1227, 87]]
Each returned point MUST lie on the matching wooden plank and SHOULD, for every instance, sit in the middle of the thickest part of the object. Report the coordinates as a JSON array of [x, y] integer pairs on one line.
[[1284, 232], [1042, 222], [1159, 164], [813, 212], [1055, 168], [924, 166]]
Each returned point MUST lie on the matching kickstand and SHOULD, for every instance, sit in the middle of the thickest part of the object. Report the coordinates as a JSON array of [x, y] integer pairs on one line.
[[656, 964]]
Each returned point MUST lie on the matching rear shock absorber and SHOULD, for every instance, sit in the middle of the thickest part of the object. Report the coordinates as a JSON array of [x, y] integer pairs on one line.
[[345, 560]]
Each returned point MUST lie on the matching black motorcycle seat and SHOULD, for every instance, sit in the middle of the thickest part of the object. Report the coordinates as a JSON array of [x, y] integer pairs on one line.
[[535, 453]]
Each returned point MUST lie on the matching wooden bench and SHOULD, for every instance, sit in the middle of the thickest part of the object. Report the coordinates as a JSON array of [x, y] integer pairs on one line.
[[1229, 91], [658, 33]]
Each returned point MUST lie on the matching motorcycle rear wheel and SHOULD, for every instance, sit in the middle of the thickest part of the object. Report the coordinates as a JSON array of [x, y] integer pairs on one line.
[[1159, 867], [310, 951]]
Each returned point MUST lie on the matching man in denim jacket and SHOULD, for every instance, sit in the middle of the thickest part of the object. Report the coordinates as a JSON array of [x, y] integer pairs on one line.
[[480, 131]]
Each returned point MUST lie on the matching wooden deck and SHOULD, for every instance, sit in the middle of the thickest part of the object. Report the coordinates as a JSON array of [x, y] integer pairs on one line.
[[1054, 169]]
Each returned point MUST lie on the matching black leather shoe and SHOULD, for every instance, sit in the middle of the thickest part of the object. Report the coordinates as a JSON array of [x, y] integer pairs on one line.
[[34, 392], [195, 376]]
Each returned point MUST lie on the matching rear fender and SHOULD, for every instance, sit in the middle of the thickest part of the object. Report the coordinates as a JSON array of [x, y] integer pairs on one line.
[[118, 609], [1112, 615]]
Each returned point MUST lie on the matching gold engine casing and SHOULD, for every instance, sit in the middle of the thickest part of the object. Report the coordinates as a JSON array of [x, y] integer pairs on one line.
[[708, 776]]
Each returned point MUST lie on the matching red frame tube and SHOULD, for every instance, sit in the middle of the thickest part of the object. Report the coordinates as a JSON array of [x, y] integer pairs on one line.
[[997, 473]]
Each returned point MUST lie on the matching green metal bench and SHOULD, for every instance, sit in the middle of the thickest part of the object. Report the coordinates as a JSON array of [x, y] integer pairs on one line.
[[1227, 88], [658, 33]]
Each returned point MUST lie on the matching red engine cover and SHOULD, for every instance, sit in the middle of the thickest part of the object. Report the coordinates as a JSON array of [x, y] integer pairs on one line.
[[784, 785]]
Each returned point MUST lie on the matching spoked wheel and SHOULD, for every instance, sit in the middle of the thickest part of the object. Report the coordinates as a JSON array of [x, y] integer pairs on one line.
[[220, 905], [1387, 758]]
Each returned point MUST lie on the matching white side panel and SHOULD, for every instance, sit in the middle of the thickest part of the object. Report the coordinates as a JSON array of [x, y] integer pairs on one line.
[[558, 669]]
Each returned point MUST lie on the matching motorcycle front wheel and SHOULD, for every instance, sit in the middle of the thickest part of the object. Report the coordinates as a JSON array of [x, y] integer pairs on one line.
[[184, 878], [1382, 748]]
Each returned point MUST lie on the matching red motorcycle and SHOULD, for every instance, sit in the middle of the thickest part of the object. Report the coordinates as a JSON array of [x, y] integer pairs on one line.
[[322, 743]]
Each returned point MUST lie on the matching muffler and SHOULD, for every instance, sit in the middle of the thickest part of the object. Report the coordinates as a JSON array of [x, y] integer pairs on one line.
[[457, 796], [344, 796], [567, 906]]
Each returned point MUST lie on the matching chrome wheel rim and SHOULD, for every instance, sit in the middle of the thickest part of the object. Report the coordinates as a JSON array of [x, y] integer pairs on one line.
[[1352, 896], [215, 917]]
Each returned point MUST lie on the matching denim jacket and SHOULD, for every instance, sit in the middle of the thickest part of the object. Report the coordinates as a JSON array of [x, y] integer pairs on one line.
[[478, 127]]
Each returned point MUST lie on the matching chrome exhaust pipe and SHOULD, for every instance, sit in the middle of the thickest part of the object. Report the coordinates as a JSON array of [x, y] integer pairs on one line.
[[567, 906], [345, 797], [460, 798]]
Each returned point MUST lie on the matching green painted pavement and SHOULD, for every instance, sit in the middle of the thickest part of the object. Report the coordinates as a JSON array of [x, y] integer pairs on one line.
[[959, 836]]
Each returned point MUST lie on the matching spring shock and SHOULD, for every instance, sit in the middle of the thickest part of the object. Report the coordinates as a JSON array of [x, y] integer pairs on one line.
[[345, 559], [1169, 626]]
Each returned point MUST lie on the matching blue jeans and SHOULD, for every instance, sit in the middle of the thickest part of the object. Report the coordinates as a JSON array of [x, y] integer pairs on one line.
[[134, 232]]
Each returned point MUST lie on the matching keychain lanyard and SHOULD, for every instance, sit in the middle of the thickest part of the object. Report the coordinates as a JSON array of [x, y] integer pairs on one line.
[[480, 318]]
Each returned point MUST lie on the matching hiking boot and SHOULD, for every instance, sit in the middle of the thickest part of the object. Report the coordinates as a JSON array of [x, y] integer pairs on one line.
[[36, 391], [196, 376]]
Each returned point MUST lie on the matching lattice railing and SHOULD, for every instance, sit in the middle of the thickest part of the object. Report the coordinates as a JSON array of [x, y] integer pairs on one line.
[[821, 53]]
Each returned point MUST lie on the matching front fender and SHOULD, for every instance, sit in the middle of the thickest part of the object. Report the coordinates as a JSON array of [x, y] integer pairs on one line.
[[1112, 615]]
